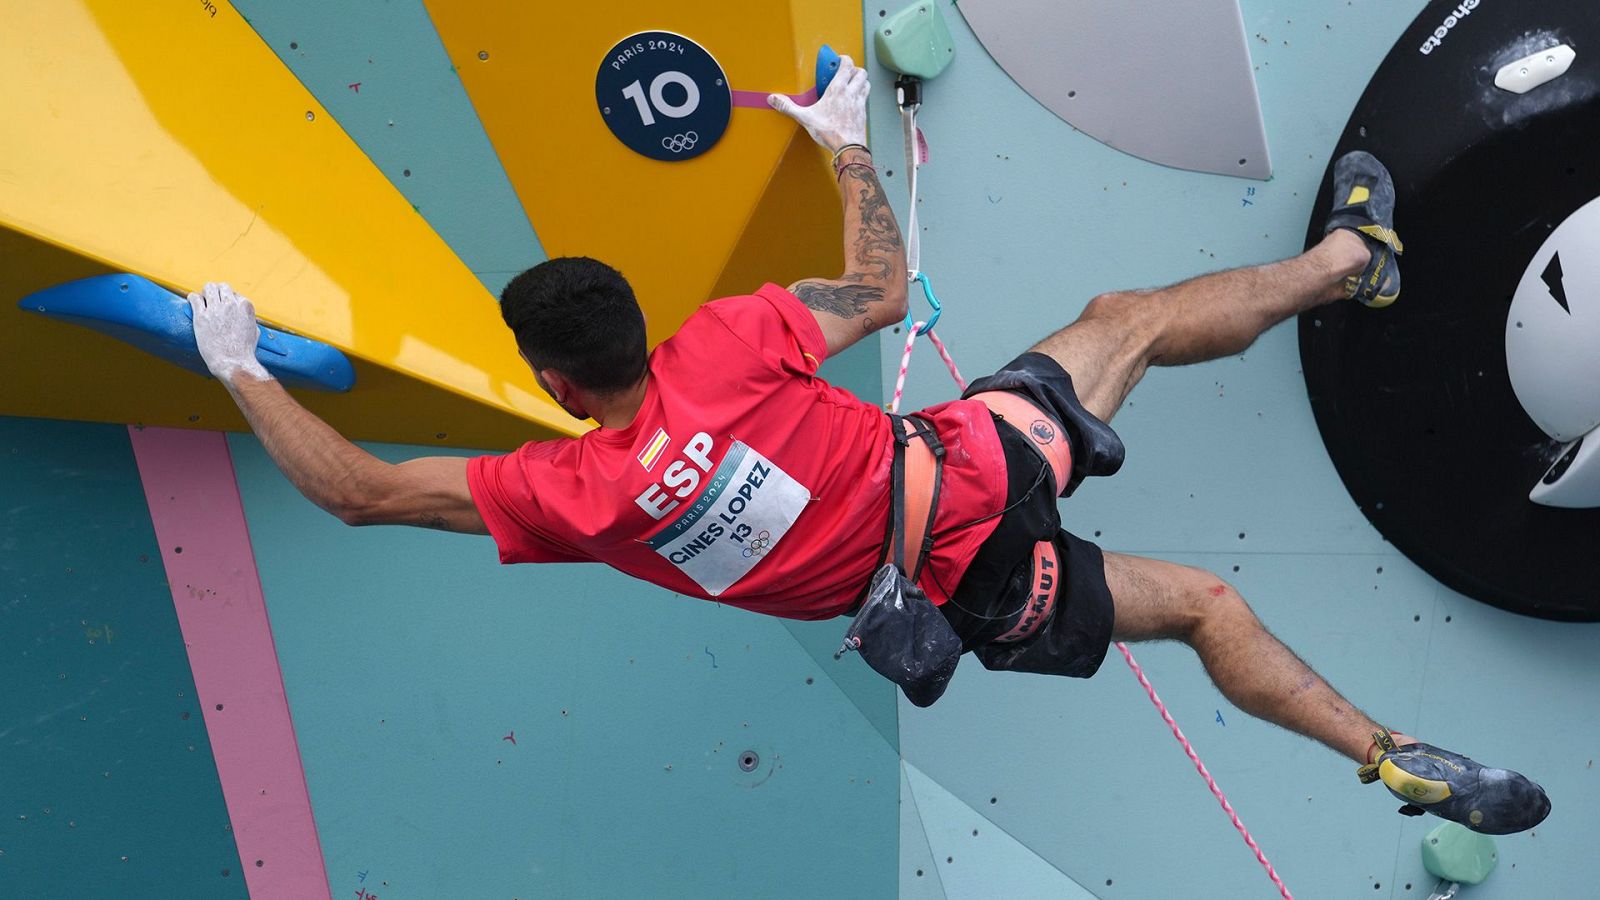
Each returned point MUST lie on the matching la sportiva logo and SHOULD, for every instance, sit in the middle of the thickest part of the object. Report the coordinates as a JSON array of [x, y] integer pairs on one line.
[[1436, 39]]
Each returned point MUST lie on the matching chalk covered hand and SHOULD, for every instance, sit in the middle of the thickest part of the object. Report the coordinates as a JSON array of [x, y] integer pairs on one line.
[[226, 330], [840, 116]]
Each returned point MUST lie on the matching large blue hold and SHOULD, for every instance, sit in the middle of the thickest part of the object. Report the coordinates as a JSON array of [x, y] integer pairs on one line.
[[159, 322]]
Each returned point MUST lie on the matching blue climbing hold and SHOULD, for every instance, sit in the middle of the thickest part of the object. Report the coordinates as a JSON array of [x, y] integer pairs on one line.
[[827, 67], [161, 323]]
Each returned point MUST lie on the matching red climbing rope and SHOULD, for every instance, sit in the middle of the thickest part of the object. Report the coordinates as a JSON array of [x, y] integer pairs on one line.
[[1188, 748]]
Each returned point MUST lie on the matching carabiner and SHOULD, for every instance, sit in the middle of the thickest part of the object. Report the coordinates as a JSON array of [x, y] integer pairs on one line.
[[933, 302]]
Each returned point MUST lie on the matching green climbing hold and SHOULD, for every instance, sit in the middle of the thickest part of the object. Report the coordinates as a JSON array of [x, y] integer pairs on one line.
[[1455, 853], [915, 41]]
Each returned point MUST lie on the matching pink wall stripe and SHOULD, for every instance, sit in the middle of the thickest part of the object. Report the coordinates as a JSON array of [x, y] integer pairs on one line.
[[758, 99], [199, 521]]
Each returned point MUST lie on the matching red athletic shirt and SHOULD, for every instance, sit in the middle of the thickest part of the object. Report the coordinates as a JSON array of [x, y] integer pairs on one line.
[[744, 477]]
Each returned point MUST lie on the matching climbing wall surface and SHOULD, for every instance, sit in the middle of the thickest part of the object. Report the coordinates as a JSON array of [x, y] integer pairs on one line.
[[133, 161], [107, 783], [466, 730], [682, 232], [1025, 222], [382, 73], [472, 730]]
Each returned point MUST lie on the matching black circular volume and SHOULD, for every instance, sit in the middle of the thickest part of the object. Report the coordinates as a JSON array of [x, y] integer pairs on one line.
[[1414, 401]]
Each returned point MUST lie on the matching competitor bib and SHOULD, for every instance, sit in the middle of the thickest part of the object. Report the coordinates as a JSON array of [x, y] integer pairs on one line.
[[745, 510]]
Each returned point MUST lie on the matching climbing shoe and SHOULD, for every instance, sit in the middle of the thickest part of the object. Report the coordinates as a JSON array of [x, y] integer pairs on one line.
[[1451, 786], [1363, 196]]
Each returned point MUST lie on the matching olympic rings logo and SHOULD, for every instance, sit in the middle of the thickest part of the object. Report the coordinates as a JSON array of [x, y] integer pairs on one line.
[[758, 545], [680, 142]]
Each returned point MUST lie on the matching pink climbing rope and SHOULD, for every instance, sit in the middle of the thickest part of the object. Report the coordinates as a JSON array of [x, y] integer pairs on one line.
[[1188, 748], [1194, 757], [905, 363]]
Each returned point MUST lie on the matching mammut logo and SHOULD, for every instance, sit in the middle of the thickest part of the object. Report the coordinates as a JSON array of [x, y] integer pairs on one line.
[[1042, 432], [1042, 600], [1436, 39]]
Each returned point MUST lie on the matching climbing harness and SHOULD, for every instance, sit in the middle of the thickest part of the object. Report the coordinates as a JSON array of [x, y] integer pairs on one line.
[[897, 629], [919, 473]]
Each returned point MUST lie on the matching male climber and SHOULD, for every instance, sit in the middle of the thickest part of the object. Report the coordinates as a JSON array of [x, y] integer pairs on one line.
[[724, 468]]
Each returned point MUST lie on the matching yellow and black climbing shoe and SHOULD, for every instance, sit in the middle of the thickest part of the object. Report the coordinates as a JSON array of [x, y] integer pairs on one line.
[[1451, 786], [1363, 195]]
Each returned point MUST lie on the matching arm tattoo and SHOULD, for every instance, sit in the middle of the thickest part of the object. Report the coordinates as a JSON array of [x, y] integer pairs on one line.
[[434, 521], [878, 239], [872, 254], [843, 300]]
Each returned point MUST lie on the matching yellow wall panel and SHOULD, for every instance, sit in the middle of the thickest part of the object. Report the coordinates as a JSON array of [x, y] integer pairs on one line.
[[670, 227], [168, 140]]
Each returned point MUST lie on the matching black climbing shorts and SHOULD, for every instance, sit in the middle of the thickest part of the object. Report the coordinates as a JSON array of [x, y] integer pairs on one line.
[[998, 585]]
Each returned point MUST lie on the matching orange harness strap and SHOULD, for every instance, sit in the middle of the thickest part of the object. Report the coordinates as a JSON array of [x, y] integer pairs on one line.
[[920, 478], [921, 471], [1040, 427]]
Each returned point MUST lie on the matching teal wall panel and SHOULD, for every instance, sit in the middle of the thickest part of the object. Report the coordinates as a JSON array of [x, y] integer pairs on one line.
[[107, 783], [875, 697], [382, 72], [919, 876], [410, 657], [977, 859], [1024, 220]]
